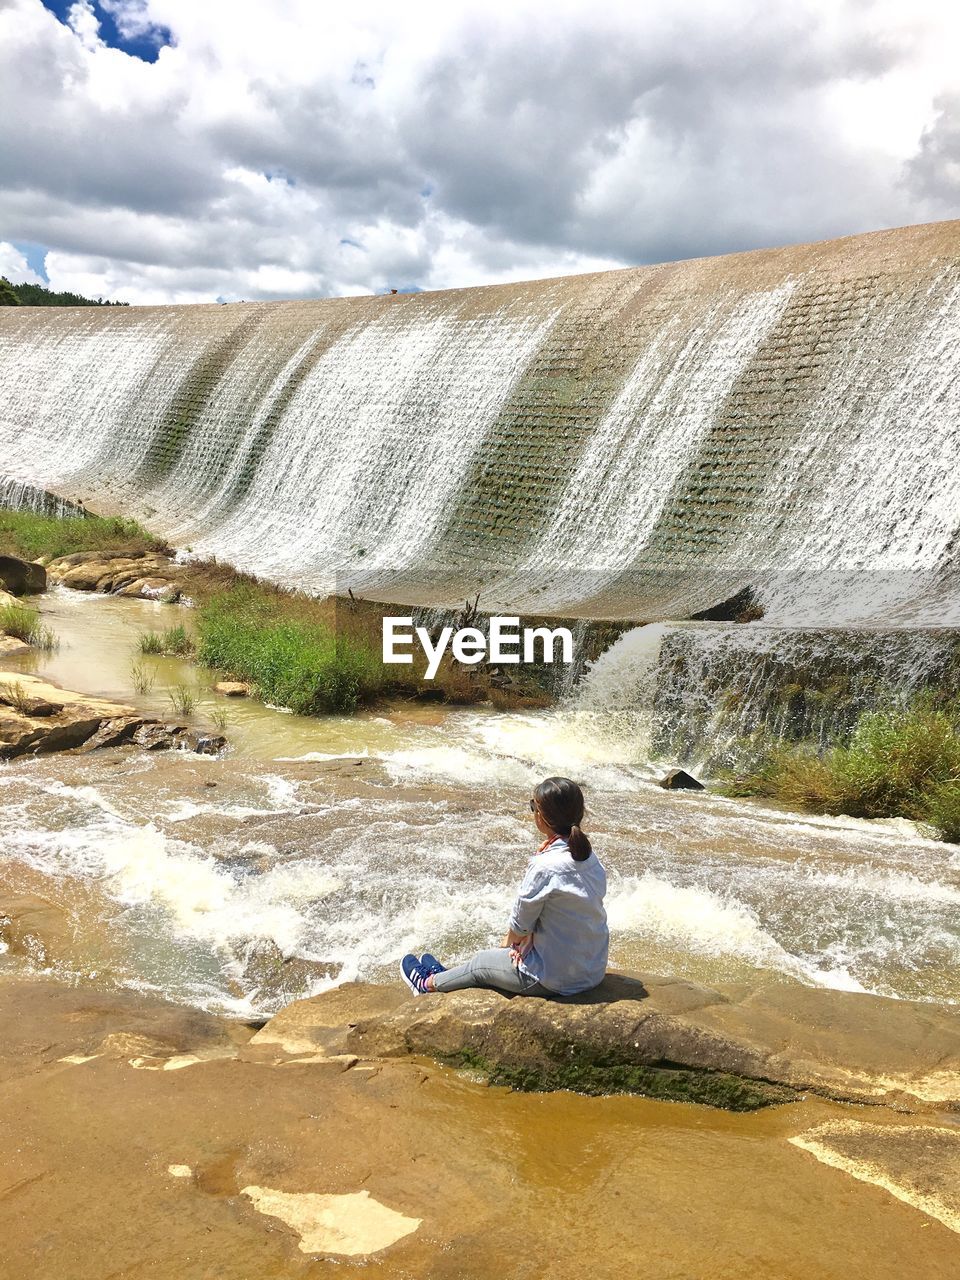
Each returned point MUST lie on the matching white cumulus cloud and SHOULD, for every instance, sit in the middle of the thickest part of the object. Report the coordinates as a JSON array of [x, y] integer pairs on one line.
[[14, 266], [289, 148]]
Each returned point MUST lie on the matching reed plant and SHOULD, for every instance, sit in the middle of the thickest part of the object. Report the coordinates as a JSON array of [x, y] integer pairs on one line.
[[44, 638], [183, 699], [19, 620], [14, 695], [141, 677], [899, 762]]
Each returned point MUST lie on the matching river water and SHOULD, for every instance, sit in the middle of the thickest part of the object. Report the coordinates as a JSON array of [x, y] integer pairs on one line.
[[340, 843]]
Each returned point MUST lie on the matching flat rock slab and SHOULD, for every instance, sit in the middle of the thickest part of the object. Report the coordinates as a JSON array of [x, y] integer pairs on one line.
[[142, 1141], [47, 1021], [841, 1045], [920, 1165], [37, 717], [10, 646]]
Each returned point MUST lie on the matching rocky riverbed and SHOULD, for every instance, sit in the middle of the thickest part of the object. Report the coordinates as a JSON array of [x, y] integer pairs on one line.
[[37, 717]]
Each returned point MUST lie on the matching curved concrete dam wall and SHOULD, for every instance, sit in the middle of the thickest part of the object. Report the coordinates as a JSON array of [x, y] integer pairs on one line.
[[637, 443]]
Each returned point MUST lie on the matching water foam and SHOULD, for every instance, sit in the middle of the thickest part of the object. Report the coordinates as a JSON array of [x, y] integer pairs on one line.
[[700, 921]]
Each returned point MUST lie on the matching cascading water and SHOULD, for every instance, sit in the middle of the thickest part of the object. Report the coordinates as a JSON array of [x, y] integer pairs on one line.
[[642, 446], [17, 495], [635, 444], [708, 695]]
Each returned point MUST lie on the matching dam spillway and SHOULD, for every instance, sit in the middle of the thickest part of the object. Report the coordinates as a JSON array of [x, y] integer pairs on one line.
[[639, 443]]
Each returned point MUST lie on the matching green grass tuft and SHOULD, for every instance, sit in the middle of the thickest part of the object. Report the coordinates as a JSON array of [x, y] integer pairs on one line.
[[141, 677], [901, 762], [23, 622], [172, 643], [183, 699], [19, 620]]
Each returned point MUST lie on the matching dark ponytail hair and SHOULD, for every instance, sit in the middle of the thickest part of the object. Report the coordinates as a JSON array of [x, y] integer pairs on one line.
[[560, 802]]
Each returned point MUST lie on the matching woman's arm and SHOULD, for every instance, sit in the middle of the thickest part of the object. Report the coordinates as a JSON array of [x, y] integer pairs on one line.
[[534, 891]]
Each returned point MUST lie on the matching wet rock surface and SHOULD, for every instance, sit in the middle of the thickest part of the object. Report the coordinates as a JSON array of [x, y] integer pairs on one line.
[[680, 780], [659, 1036], [10, 646], [271, 974], [232, 688], [37, 717]]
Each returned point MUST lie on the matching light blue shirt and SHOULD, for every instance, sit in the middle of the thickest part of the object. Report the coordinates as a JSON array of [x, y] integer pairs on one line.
[[561, 902]]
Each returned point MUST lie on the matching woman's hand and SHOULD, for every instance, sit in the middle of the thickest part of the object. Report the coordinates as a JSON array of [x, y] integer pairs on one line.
[[519, 944]]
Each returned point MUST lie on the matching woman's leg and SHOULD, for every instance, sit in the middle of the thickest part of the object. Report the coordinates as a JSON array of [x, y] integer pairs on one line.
[[493, 968]]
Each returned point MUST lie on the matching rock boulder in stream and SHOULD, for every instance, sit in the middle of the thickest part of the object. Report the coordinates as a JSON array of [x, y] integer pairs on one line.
[[22, 577], [149, 574]]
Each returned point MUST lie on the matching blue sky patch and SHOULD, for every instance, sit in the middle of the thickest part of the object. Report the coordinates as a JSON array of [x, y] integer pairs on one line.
[[35, 254], [145, 46]]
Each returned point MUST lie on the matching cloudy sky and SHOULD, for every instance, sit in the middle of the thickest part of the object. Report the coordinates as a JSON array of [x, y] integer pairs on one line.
[[186, 150]]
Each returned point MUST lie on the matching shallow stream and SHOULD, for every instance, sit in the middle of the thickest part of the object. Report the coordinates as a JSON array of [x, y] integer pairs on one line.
[[337, 844]]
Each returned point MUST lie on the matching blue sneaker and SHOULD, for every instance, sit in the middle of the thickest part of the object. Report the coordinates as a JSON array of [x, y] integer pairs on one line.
[[414, 975], [430, 964]]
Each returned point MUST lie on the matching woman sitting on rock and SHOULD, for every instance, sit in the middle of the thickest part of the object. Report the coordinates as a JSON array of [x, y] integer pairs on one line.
[[557, 936]]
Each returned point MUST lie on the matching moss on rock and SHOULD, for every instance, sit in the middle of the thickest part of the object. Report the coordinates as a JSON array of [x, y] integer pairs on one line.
[[579, 1071]]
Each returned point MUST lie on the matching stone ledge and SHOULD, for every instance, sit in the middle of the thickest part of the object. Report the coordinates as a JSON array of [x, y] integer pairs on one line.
[[738, 1047]]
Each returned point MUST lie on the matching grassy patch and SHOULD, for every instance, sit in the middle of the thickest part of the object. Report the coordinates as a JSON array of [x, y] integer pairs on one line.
[[172, 643], [19, 620], [24, 623], [292, 659], [902, 762], [30, 536]]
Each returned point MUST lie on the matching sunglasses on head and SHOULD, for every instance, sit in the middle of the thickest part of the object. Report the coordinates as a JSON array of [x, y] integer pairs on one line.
[[533, 806]]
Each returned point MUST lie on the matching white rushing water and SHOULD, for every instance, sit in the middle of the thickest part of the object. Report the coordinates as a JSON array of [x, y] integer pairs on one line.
[[382, 433], [187, 883], [692, 691], [643, 445]]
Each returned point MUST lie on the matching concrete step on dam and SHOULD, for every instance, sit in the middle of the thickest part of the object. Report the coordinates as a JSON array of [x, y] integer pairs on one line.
[[639, 443]]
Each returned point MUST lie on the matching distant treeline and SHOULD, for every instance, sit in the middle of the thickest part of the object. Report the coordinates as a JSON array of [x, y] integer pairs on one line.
[[35, 295]]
